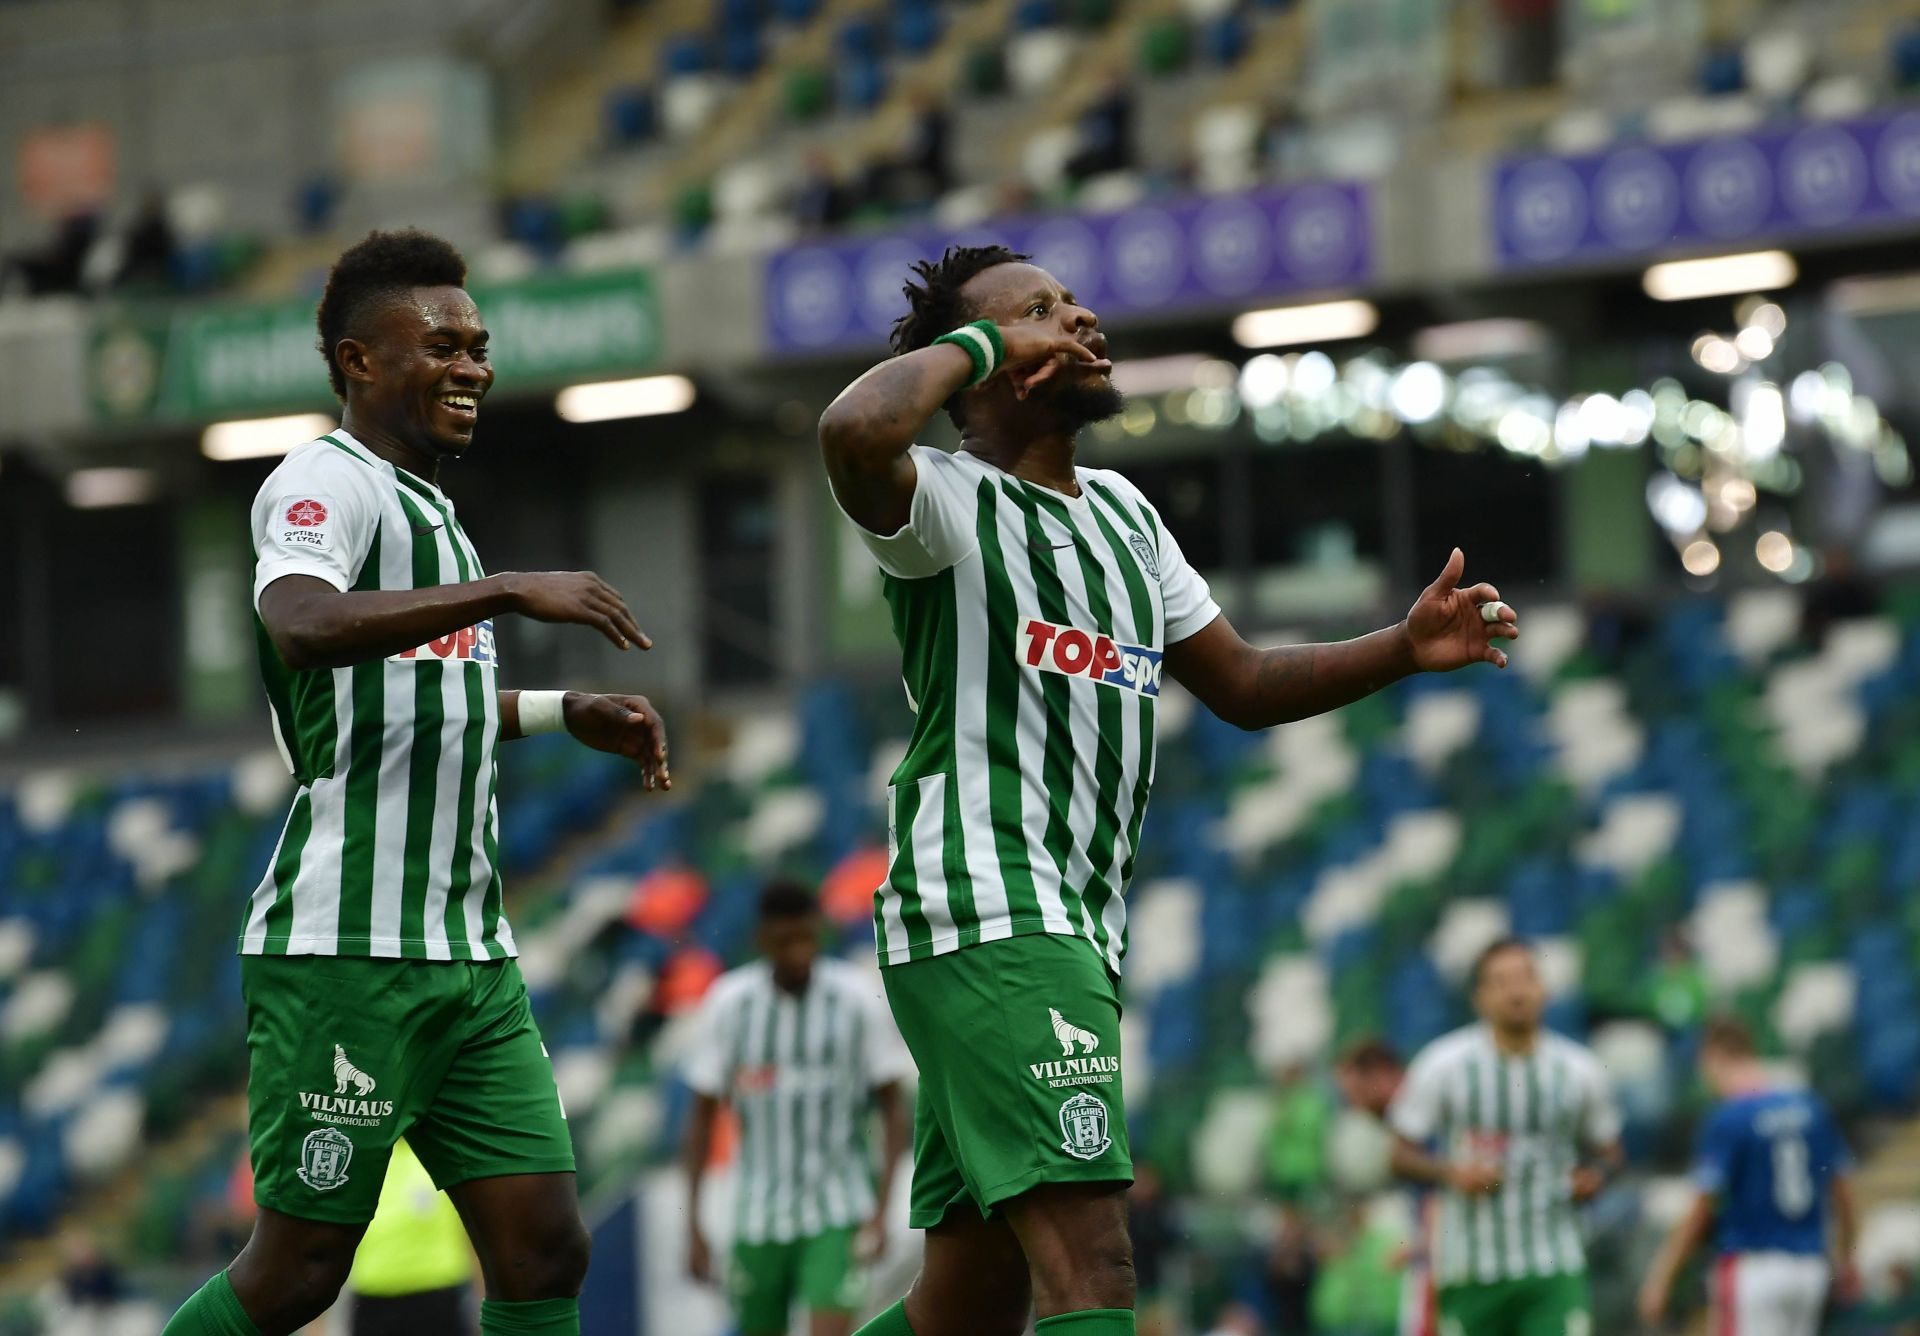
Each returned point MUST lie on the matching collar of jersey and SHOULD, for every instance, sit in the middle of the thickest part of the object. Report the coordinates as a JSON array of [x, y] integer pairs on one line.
[[347, 441], [990, 466]]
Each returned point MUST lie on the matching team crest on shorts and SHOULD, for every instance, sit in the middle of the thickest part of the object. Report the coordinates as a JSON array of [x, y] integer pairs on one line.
[[324, 1157], [1083, 1122]]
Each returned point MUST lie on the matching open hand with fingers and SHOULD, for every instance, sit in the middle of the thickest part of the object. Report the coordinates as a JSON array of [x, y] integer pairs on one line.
[[1038, 353], [1448, 626], [626, 726], [577, 597]]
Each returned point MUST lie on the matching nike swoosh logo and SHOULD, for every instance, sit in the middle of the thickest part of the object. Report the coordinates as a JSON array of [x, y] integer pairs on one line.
[[1051, 547], [426, 528]]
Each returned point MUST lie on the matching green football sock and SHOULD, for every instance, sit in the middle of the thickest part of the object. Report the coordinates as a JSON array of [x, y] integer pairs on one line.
[[214, 1310], [538, 1317], [893, 1322], [1092, 1322]]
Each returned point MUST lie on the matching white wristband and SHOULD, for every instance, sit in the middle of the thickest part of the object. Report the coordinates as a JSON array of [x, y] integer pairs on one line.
[[542, 712]]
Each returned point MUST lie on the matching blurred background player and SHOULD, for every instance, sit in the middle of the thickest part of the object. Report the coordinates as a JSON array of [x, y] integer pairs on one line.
[[1036, 603], [1775, 1199], [1525, 1129], [382, 992], [803, 1051], [413, 1273]]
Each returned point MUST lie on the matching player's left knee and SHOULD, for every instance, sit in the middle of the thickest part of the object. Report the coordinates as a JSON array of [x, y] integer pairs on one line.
[[1094, 1271], [552, 1265]]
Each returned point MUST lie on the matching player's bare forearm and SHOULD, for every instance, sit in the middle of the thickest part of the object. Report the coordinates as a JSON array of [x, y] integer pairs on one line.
[[1683, 1240], [1261, 688], [865, 432], [1410, 1162], [314, 625], [1846, 1217], [695, 1148], [894, 1140]]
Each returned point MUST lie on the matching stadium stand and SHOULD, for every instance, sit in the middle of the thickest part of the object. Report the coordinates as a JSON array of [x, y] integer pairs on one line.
[[1644, 797]]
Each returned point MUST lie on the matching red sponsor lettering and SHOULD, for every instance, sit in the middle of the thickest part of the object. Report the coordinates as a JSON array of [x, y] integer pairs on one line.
[[306, 514], [1106, 657], [1038, 634], [1072, 651], [443, 647]]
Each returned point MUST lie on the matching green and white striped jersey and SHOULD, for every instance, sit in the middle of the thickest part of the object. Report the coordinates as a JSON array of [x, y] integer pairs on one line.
[[800, 1071], [1530, 1116], [1032, 626], [391, 847]]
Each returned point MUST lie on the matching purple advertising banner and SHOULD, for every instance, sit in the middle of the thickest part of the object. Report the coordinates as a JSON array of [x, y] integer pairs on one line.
[[1739, 189], [1160, 256]]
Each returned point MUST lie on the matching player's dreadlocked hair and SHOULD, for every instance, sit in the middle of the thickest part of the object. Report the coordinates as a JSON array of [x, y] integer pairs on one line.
[[934, 306], [371, 272]]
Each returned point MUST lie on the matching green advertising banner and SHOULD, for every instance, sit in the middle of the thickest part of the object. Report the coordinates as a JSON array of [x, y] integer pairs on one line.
[[190, 363]]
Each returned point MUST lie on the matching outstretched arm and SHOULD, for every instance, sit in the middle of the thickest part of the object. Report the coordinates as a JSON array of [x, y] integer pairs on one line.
[[864, 434], [626, 726], [1260, 688], [314, 625]]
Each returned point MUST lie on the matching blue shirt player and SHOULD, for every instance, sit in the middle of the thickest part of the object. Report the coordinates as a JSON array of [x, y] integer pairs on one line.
[[1775, 1194]]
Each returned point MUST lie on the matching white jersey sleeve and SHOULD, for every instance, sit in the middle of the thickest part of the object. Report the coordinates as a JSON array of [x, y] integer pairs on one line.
[[1599, 1114], [1185, 596], [706, 1068], [1416, 1109], [316, 514], [939, 531]]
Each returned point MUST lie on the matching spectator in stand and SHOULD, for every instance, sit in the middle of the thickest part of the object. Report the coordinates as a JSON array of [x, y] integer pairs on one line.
[[822, 201], [1369, 1075], [151, 246], [1106, 131], [1237, 1320], [1297, 1137], [1529, 43], [919, 170], [1151, 1225], [1292, 1267], [57, 267]]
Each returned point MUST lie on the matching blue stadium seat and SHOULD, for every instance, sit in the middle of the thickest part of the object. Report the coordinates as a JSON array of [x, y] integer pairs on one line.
[[629, 116]]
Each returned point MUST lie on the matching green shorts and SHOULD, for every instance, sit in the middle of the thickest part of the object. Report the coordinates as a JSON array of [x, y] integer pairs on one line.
[[818, 1271], [1018, 1045], [350, 1054], [1536, 1306]]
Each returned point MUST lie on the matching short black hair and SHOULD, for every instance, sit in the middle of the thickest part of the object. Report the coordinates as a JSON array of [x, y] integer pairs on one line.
[[1498, 947], [1729, 1035], [1370, 1053], [371, 272], [782, 898], [934, 304]]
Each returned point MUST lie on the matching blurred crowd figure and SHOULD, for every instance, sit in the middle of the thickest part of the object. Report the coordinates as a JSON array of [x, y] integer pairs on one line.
[[86, 255]]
